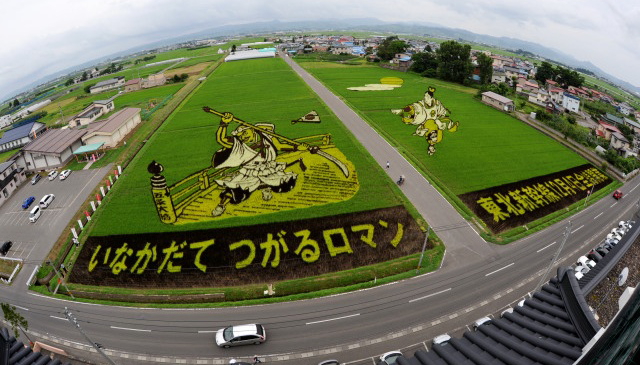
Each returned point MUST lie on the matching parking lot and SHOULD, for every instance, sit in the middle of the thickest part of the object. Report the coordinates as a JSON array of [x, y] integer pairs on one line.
[[32, 241]]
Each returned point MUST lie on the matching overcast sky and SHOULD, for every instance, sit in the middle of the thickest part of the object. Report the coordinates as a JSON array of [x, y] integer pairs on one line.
[[40, 37]]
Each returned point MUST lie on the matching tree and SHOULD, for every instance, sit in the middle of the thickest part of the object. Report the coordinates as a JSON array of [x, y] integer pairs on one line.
[[16, 102], [454, 61], [545, 72], [84, 76], [390, 46], [428, 48], [87, 88], [485, 64], [423, 61], [15, 319], [69, 82], [233, 48]]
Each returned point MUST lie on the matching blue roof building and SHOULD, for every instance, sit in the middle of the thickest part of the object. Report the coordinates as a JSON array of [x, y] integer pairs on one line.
[[20, 136]]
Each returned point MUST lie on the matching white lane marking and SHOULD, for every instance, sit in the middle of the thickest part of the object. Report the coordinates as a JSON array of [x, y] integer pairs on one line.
[[575, 230], [634, 188], [430, 295], [64, 319], [23, 308], [547, 246], [598, 215], [129, 329], [207, 331], [613, 204], [334, 319], [493, 272]]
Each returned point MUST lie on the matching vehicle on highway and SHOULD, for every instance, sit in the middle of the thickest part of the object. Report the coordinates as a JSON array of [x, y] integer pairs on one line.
[[52, 175], [34, 214], [35, 179], [442, 339], [5, 247], [389, 358], [617, 194], [329, 362], [244, 334], [27, 202], [46, 200], [480, 322], [65, 174]]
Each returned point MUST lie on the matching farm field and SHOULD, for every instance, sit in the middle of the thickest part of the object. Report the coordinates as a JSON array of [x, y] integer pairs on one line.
[[489, 148], [257, 91]]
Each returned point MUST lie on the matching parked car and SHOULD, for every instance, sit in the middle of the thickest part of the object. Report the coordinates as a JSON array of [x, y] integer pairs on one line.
[[65, 174], [480, 322], [52, 175], [390, 358], [5, 247], [617, 194], [594, 255], [244, 334], [442, 339], [329, 362], [27, 202], [46, 200], [34, 214], [35, 179], [602, 250]]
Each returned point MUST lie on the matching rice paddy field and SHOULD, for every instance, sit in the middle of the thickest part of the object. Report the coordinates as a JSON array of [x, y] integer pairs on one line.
[[490, 148], [256, 91]]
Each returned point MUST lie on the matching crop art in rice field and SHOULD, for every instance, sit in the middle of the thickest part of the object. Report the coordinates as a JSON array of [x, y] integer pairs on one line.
[[430, 117], [256, 170]]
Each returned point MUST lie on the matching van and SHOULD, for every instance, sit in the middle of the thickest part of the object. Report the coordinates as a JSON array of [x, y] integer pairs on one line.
[[46, 200], [34, 214]]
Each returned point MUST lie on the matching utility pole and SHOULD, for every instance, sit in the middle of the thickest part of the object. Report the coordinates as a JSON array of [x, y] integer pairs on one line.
[[60, 278], [74, 322], [567, 232], [424, 246]]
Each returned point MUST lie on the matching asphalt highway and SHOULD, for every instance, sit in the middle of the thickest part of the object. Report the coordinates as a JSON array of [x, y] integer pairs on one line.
[[477, 279]]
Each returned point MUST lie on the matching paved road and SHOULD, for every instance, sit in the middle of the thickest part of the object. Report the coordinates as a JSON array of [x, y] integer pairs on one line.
[[477, 279]]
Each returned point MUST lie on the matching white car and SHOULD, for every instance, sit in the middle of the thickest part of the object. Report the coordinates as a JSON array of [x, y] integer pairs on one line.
[[480, 322], [244, 334], [391, 357], [64, 174], [442, 339], [584, 261], [52, 175]]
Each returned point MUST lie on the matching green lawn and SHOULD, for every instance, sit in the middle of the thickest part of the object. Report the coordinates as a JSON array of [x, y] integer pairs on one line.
[[489, 149], [264, 90]]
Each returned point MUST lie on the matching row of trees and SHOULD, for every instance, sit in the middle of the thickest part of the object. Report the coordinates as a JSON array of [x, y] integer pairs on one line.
[[451, 62], [564, 76]]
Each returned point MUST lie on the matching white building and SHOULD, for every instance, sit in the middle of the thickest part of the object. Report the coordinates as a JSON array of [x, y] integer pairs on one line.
[[570, 102], [5, 120], [11, 176], [107, 85]]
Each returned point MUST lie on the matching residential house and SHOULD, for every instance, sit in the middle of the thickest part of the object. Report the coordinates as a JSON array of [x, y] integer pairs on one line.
[[112, 130], [570, 102], [5, 120], [635, 126], [612, 119], [498, 76], [541, 97], [338, 48], [497, 101], [619, 142], [556, 95], [133, 85], [552, 107], [11, 177], [52, 149], [625, 108], [158, 79], [21, 135], [94, 111], [107, 85], [550, 84], [606, 130]]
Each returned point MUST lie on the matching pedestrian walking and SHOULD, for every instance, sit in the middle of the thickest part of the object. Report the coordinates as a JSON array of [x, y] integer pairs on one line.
[[256, 360], [387, 164]]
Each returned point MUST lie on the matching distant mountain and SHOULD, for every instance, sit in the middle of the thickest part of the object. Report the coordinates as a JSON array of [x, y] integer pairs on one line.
[[361, 24]]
